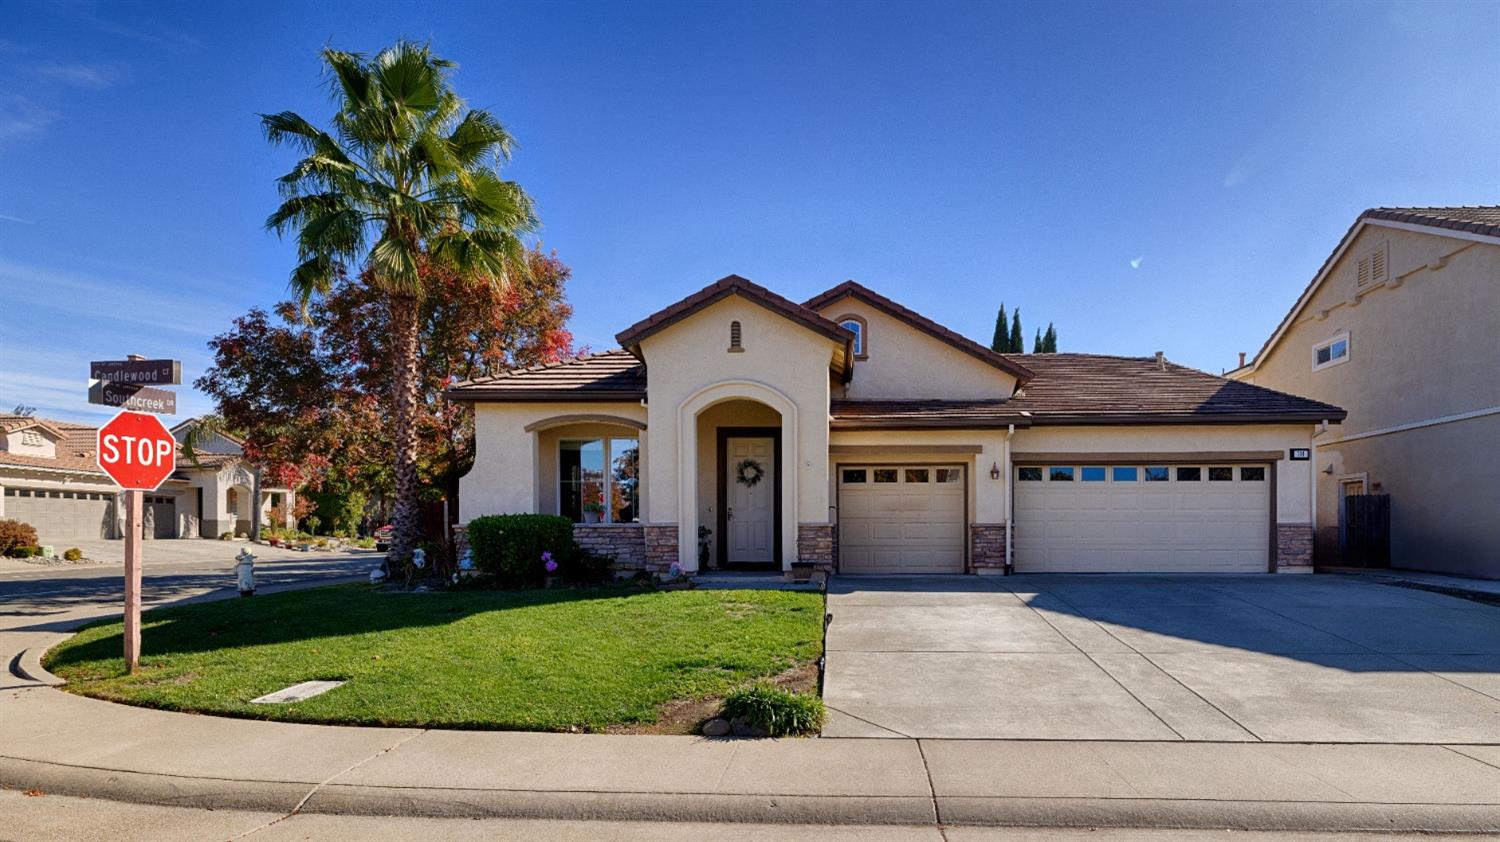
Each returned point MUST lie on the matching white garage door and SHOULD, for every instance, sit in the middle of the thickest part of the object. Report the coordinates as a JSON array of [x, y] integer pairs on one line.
[[62, 516], [901, 519], [1142, 518]]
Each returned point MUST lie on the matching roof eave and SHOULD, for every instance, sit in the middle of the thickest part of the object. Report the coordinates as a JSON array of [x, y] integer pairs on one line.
[[482, 395], [1149, 418]]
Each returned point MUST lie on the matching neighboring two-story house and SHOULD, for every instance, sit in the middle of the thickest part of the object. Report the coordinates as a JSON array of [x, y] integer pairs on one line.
[[1401, 327], [736, 428]]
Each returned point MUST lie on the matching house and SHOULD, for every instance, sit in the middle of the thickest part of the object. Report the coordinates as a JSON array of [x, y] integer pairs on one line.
[[738, 429], [50, 478], [1398, 327]]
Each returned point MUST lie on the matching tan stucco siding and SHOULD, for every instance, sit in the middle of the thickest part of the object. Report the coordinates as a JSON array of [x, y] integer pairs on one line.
[[510, 472], [779, 354], [1444, 496], [1421, 346], [1293, 479], [43, 446], [986, 496], [904, 362]]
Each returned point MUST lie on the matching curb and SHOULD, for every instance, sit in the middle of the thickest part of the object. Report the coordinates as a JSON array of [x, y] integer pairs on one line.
[[28, 665], [429, 802]]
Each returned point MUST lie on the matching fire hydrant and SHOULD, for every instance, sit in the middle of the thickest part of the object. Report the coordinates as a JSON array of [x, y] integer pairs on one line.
[[244, 570]]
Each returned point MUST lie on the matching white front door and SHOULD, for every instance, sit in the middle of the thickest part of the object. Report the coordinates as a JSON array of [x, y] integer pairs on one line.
[[750, 464]]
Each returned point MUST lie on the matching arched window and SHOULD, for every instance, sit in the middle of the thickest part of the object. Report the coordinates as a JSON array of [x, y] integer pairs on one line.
[[856, 325], [734, 337]]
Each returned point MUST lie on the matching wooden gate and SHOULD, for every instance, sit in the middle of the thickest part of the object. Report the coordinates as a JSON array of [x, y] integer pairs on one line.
[[1365, 530]]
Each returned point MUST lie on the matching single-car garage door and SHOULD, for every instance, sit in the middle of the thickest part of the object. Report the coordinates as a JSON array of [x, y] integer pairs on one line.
[[1142, 518], [901, 518]]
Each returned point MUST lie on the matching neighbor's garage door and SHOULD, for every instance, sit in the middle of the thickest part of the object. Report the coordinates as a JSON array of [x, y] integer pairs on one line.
[[901, 519], [1142, 518], [62, 516]]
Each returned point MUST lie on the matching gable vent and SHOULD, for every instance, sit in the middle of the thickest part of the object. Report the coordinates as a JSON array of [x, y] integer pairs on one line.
[[734, 336], [1373, 267]]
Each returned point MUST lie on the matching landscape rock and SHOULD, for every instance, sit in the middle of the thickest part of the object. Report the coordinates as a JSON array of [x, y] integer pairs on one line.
[[717, 727]]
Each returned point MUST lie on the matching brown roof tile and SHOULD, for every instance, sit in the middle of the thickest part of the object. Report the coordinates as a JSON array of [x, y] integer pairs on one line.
[[611, 376], [854, 289], [722, 288], [923, 414], [75, 445], [1093, 388]]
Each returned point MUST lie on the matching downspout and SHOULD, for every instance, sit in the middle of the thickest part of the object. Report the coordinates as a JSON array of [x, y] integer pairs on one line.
[[1010, 505], [1312, 461]]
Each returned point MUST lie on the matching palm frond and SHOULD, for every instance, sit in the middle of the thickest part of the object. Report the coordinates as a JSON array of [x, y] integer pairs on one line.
[[395, 266], [408, 77], [478, 136]]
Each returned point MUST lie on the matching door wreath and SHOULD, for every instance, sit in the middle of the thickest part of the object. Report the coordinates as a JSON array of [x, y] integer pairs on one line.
[[749, 473]]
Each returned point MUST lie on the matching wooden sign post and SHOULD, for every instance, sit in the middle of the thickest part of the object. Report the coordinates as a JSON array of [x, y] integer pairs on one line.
[[139, 453]]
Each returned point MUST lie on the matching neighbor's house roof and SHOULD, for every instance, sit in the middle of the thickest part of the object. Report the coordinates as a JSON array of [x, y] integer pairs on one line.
[[610, 376], [1083, 389], [726, 286], [856, 290], [74, 448], [1468, 222]]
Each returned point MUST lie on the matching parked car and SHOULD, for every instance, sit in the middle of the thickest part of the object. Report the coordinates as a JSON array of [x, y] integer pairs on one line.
[[383, 536]]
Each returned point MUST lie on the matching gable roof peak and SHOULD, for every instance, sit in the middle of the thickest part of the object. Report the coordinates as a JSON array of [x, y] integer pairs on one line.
[[720, 289], [855, 289]]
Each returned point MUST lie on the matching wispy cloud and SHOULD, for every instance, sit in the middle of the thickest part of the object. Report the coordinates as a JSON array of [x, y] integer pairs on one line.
[[139, 29], [5, 217], [20, 117], [114, 300], [93, 77]]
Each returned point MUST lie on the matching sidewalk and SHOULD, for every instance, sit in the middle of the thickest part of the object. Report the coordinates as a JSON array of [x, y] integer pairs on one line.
[[1487, 590], [68, 745]]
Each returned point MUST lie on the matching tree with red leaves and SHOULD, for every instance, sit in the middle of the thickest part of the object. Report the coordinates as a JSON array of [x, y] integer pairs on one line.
[[308, 393]]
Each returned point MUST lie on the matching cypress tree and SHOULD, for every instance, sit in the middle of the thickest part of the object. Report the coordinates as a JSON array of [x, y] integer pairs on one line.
[[1049, 341], [1001, 340], [1017, 338], [1036, 344]]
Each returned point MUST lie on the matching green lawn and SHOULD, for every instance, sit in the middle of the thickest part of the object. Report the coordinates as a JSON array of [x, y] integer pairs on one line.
[[537, 660]]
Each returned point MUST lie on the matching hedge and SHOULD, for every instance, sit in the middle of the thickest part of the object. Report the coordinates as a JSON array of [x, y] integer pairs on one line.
[[509, 548]]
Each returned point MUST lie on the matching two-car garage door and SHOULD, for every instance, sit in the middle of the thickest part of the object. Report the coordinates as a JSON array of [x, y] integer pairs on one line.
[[1142, 518], [901, 518]]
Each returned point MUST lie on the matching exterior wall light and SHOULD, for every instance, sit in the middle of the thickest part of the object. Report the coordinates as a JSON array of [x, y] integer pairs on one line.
[[994, 470]]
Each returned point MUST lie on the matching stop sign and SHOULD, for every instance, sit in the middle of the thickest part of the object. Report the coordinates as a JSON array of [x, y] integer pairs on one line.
[[137, 451]]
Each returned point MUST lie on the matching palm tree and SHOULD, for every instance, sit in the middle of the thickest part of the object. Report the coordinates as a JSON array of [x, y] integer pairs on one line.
[[406, 176]]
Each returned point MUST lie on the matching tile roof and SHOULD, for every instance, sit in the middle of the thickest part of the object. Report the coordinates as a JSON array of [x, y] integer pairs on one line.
[[75, 446], [1094, 388], [854, 289], [612, 375], [876, 414], [1476, 219], [722, 288]]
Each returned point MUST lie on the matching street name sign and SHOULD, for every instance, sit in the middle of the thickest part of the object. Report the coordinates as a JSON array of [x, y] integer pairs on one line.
[[141, 372], [133, 397]]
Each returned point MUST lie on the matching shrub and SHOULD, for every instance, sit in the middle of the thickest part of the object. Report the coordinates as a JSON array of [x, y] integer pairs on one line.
[[508, 548], [226, 536], [24, 552], [72, 554], [777, 712], [15, 534]]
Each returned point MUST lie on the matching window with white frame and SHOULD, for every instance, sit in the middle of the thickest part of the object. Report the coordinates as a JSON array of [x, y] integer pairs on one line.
[[599, 480], [856, 325], [1331, 352]]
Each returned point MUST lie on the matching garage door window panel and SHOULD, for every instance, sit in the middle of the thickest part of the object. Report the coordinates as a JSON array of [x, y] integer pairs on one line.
[[1060, 474], [1253, 474], [885, 475], [1029, 474], [1092, 473], [854, 476], [1123, 473], [917, 475], [1190, 474]]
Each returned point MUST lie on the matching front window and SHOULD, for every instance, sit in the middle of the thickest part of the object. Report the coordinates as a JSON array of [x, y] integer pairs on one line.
[[599, 479], [1332, 352]]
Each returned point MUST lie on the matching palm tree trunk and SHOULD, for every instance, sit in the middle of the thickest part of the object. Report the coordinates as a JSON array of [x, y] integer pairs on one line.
[[405, 401]]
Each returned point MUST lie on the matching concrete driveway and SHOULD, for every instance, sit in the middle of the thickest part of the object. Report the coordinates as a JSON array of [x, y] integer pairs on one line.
[[1222, 658]]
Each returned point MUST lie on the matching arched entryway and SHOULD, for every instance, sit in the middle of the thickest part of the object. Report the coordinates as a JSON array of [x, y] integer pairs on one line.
[[737, 485]]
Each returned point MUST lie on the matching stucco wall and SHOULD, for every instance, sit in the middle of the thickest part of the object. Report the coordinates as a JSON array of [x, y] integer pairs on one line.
[[1293, 479], [689, 363], [1444, 497], [906, 363], [46, 448], [1419, 350], [509, 461]]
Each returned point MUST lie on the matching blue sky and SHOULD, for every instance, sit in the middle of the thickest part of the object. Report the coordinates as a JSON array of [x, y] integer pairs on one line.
[[950, 155]]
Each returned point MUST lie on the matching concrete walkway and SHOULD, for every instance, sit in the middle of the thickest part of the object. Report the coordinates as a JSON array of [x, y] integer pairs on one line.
[[68, 745]]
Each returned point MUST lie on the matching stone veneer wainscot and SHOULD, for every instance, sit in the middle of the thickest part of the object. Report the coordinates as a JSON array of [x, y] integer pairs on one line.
[[987, 547], [817, 543], [1294, 544]]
